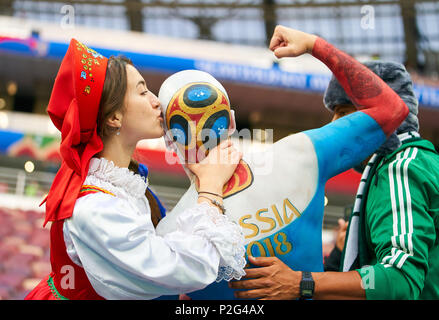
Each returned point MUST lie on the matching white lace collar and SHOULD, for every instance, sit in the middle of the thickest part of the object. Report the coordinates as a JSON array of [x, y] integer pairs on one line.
[[124, 178]]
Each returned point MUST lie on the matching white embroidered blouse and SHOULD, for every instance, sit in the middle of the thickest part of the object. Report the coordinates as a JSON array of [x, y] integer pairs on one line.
[[113, 239]]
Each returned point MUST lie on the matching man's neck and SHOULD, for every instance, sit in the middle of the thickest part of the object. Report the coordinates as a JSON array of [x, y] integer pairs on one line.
[[366, 161]]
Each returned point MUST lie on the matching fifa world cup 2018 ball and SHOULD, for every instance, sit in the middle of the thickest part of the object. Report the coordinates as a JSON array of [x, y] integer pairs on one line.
[[196, 109]]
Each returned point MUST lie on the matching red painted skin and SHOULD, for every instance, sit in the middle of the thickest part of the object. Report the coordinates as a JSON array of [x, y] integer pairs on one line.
[[367, 91]]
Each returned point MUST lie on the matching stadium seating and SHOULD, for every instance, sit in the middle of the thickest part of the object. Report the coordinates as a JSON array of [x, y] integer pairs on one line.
[[24, 252]]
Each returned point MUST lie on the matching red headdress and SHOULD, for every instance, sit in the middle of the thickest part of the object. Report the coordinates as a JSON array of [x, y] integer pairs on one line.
[[73, 108]]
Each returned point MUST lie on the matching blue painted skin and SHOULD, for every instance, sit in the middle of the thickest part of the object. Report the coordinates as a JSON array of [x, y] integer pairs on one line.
[[338, 146]]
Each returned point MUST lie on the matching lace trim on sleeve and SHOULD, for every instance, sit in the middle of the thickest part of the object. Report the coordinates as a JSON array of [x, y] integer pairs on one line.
[[225, 234]]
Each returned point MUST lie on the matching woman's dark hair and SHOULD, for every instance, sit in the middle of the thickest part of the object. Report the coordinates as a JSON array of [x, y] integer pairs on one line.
[[155, 209], [112, 100], [113, 92]]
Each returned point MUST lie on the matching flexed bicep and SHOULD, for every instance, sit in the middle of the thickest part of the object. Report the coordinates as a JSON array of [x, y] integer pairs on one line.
[[345, 143], [367, 91]]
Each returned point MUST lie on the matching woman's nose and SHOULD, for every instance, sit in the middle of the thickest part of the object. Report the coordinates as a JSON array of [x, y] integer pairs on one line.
[[155, 102]]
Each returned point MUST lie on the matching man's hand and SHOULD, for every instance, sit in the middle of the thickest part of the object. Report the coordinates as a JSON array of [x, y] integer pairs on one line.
[[274, 280], [287, 42]]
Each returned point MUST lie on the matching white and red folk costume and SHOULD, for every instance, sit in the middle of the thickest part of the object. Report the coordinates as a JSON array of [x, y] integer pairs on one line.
[[103, 243], [280, 209]]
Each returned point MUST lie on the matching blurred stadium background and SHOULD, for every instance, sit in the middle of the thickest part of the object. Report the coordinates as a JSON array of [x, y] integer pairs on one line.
[[227, 38]]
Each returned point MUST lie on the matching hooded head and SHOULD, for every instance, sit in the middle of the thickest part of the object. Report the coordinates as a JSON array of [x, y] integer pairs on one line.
[[197, 114], [73, 108], [396, 77]]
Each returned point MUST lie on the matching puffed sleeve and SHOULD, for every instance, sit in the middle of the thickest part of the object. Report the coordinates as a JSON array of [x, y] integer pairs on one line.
[[124, 258]]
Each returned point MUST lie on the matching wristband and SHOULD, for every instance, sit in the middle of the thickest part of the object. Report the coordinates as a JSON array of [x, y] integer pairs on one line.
[[215, 203], [214, 194]]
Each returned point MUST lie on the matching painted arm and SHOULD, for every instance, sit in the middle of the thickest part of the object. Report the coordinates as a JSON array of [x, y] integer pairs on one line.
[[346, 142], [366, 90], [350, 140]]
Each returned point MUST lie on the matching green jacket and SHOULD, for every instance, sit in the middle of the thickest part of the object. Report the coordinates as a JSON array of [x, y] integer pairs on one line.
[[400, 227]]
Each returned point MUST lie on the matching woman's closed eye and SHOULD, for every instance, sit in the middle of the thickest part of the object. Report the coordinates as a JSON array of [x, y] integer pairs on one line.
[[144, 93]]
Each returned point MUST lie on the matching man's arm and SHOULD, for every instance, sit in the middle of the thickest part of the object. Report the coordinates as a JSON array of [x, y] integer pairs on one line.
[[368, 92], [275, 280], [348, 141]]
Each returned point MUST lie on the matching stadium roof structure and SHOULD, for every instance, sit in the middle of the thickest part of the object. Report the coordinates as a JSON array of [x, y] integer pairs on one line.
[[227, 62]]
